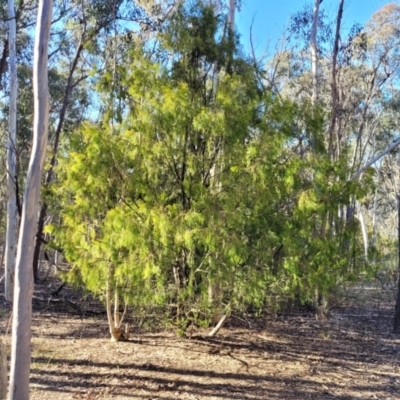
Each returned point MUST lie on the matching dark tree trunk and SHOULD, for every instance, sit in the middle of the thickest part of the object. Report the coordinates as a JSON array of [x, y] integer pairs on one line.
[[67, 94], [39, 238], [49, 175]]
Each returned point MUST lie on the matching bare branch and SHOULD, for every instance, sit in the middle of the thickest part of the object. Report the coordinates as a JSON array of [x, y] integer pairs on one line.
[[375, 159]]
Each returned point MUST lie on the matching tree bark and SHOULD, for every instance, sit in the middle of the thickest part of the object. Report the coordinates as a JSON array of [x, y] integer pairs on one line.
[[320, 304], [115, 319], [4, 55], [115, 331], [231, 16], [23, 289], [3, 371], [12, 223]]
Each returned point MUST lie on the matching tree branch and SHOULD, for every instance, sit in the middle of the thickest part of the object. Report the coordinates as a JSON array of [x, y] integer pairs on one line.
[[375, 159]]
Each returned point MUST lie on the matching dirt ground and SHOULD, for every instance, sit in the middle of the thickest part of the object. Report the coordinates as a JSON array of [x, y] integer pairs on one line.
[[353, 355]]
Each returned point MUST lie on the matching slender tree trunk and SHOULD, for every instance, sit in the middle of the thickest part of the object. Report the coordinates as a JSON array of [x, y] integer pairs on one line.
[[335, 94], [115, 319], [49, 175], [4, 54], [3, 371], [114, 332], [320, 305], [396, 322], [319, 299], [214, 288], [231, 16], [373, 236], [23, 289], [12, 223], [360, 217], [9, 248], [314, 52], [6, 47]]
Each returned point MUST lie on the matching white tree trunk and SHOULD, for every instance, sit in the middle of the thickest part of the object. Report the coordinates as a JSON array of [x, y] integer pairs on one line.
[[115, 331], [314, 52], [373, 160], [360, 217], [231, 16], [115, 321], [11, 233], [23, 288]]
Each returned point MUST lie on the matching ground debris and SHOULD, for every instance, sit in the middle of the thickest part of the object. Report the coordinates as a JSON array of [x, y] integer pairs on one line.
[[290, 356]]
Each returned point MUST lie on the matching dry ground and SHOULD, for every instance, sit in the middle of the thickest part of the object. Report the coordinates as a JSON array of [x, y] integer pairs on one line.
[[351, 356]]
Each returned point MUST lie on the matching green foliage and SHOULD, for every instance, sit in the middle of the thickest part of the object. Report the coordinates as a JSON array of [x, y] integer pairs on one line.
[[200, 182]]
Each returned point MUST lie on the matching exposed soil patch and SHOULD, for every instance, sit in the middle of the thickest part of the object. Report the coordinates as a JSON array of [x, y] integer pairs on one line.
[[351, 356]]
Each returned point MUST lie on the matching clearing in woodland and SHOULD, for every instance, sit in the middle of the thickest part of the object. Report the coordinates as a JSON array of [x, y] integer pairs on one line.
[[353, 355]]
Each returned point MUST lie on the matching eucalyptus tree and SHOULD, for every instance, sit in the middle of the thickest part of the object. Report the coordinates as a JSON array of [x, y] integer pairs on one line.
[[12, 48], [12, 221], [321, 80], [22, 313], [370, 64], [363, 71]]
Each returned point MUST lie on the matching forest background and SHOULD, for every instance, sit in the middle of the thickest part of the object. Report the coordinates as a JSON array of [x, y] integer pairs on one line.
[[192, 176], [248, 179], [255, 12]]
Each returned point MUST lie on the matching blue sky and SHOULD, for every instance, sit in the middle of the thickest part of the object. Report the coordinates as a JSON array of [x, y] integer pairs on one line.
[[271, 17]]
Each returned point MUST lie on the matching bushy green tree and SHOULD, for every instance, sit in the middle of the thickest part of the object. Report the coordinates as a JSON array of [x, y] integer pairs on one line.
[[146, 215]]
